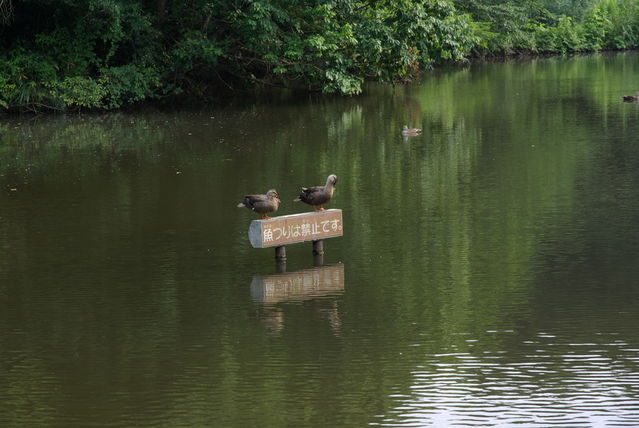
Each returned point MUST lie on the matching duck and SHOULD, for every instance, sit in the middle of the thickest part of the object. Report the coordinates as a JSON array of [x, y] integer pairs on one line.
[[406, 131], [262, 204], [318, 195], [631, 98]]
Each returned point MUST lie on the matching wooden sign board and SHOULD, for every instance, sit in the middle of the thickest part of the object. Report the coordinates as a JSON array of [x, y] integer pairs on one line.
[[296, 228], [294, 286]]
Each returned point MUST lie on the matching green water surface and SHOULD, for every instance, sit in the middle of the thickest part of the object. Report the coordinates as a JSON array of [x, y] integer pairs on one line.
[[490, 265]]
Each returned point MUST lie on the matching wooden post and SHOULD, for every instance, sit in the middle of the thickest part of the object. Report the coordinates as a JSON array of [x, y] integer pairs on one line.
[[318, 260], [280, 266], [318, 247], [280, 253]]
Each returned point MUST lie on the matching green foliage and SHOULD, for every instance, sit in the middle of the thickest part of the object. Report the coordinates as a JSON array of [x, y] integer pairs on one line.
[[624, 22], [126, 85], [194, 50], [105, 54], [78, 91], [555, 27], [596, 27], [563, 37]]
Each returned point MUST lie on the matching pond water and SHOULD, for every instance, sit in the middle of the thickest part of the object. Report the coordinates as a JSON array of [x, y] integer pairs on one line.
[[487, 276]]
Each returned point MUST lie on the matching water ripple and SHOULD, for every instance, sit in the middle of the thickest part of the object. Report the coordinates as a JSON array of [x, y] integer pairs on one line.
[[596, 386]]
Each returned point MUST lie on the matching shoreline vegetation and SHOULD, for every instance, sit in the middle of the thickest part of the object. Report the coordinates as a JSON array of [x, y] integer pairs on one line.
[[64, 55]]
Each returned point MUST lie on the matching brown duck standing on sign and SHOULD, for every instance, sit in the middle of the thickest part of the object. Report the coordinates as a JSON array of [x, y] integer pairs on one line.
[[317, 196], [262, 204]]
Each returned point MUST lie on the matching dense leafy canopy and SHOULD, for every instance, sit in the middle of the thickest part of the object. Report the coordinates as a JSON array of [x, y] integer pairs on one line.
[[106, 54]]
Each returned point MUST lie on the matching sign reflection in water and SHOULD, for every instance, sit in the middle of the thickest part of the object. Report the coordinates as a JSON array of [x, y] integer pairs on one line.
[[320, 284]]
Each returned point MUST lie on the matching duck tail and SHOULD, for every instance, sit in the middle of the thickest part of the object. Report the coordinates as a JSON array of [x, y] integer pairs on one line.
[[241, 205], [297, 199]]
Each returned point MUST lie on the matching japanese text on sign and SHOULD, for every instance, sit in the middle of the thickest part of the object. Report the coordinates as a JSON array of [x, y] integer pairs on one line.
[[306, 229], [296, 228]]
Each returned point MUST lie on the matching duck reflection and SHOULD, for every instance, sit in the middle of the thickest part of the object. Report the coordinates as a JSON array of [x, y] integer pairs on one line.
[[318, 286]]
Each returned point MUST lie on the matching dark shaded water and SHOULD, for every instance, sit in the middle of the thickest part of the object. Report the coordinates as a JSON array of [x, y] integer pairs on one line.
[[487, 276]]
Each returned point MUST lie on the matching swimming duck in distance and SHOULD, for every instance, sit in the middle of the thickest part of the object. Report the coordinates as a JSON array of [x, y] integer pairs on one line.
[[406, 131], [631, 98], [262, 204], [317, 196]]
